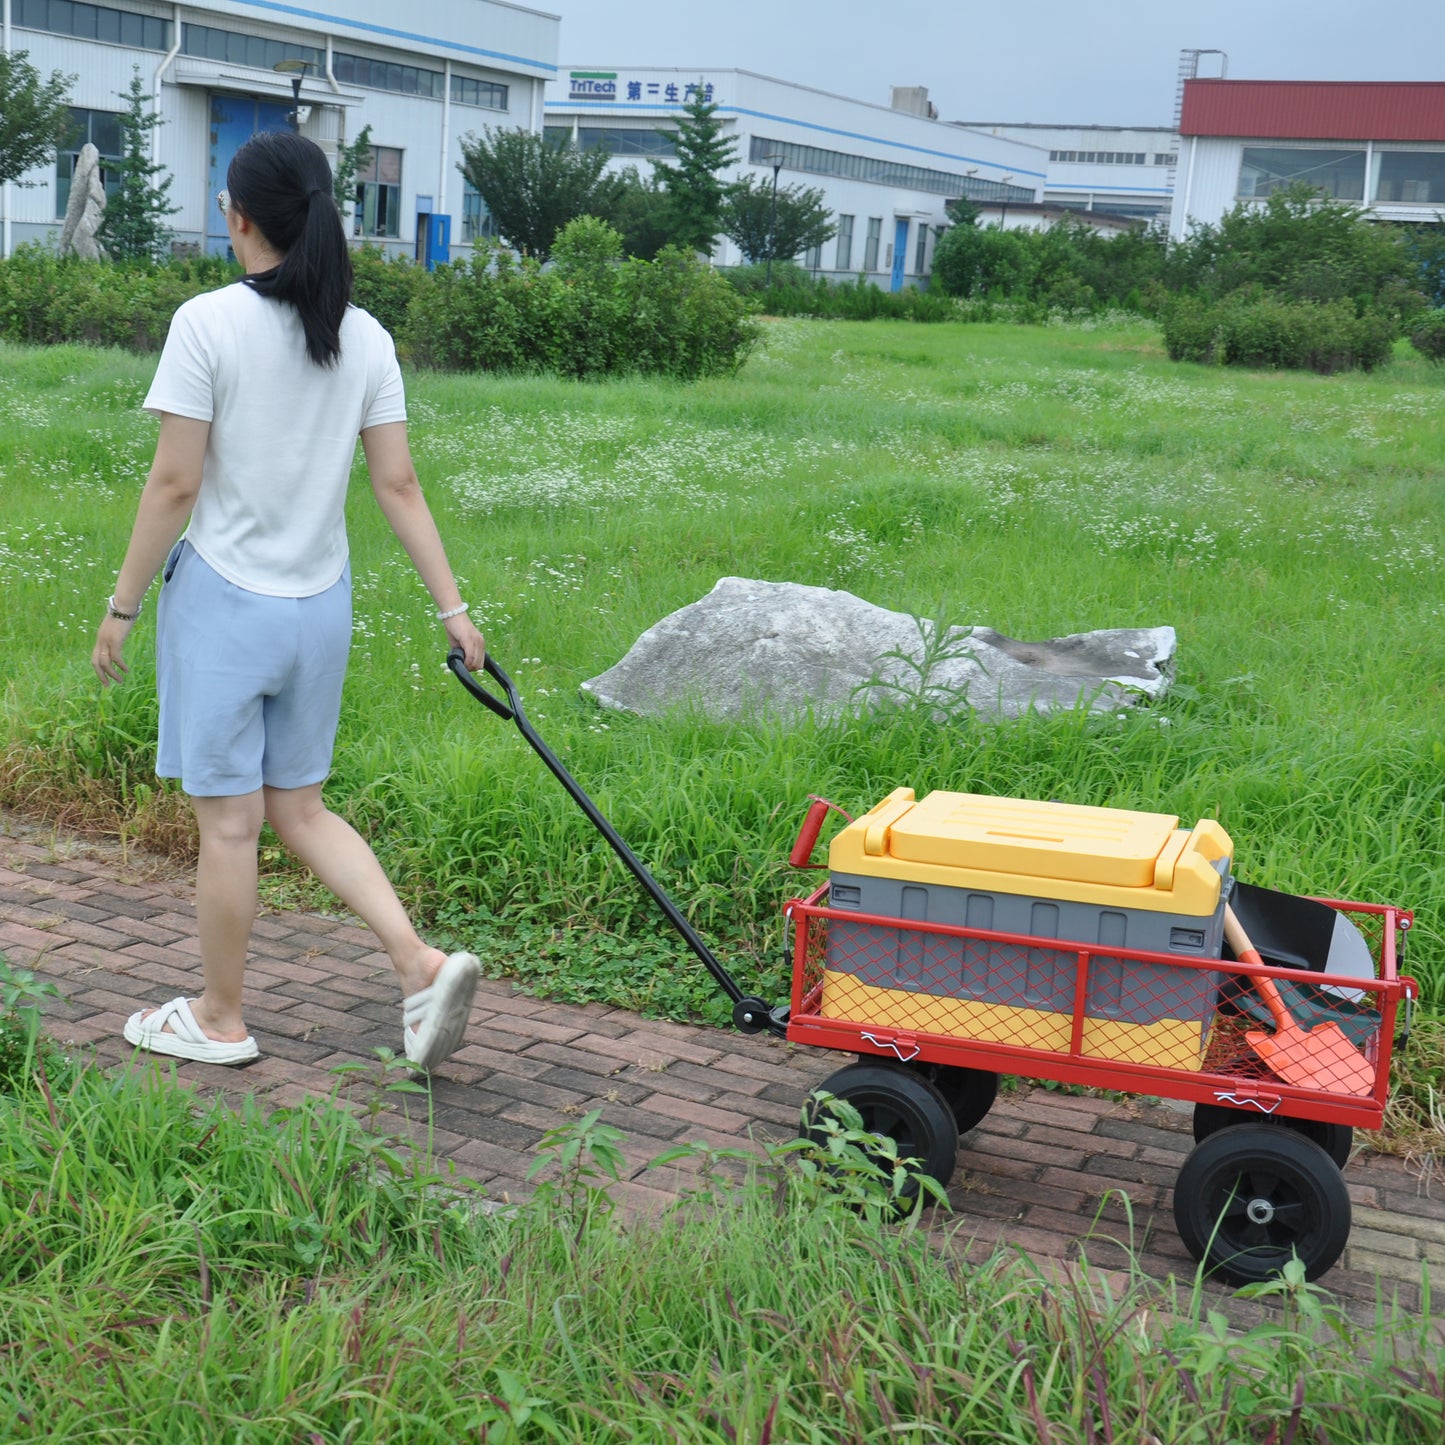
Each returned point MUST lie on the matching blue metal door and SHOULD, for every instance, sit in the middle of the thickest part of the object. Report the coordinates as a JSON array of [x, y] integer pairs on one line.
[[900, 254], [234, 120], [439, 242]]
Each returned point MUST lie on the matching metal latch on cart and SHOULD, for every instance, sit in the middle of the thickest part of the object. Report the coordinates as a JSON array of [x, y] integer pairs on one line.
[[897, 1045]]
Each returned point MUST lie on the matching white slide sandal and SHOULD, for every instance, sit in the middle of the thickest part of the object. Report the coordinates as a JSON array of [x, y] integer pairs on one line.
[[434, 1020], [184, 1038]]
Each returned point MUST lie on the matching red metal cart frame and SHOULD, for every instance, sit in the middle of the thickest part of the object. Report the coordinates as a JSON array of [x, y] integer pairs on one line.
[[1230, 1074]]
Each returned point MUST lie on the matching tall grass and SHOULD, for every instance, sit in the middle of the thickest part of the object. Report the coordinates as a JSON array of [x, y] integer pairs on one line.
[[177, 1271], [1040, 481]]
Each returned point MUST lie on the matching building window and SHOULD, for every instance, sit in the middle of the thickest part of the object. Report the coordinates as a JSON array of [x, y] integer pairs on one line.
[[621, 142], [387, 75], [920, 254], [488, 93], [870, 246], [813, 257], [1267, 169], [477, 223], [1101, 158], [843, 261], [1417, 176], [234, 48], [378, 194], [94, 22], [1166, 158], [813, 160], [102, 129]]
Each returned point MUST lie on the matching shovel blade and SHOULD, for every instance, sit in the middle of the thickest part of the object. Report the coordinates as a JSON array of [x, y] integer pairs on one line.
[[1323, 1058]]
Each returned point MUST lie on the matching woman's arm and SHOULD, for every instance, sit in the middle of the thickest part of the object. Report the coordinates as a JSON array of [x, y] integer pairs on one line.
[[399, 495], [165, 506]]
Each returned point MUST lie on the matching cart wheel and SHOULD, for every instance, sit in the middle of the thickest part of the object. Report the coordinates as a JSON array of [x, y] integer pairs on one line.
[[900, 1105], [1334, 1139], [969, 1093], [1250, 1196], [750, 1015]]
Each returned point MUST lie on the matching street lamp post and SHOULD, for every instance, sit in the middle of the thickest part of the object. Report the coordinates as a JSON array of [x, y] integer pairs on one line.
[[296, 69], [777, 163]]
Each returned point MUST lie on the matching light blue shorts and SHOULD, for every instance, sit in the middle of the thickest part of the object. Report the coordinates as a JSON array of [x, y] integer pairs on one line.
[[250, 686]]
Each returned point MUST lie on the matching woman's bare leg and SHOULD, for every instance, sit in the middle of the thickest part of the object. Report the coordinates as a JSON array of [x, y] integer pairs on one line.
[[342, 859]]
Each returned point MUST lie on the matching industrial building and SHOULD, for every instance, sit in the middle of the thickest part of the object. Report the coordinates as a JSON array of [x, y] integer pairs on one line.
[[886, 171], [422, 76], [1380, 144], [1117, 170]]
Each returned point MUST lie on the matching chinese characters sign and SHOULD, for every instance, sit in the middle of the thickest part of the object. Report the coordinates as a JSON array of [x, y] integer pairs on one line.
[[595, 85]]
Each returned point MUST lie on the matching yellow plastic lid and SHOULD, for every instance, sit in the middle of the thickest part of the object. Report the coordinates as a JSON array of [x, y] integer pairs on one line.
[[1038, 839]]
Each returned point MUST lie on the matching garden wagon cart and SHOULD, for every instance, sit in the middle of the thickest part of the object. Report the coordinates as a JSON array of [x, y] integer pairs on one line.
[[962, 937]]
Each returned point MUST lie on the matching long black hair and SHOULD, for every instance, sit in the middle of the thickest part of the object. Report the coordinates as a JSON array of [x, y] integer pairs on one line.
[[282, 183]]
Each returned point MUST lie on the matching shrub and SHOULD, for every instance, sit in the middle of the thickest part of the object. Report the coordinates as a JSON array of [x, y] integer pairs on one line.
[[1250, 329], [384, 287], [796, 293], [1428, 335], [587, 315], [47, 299]]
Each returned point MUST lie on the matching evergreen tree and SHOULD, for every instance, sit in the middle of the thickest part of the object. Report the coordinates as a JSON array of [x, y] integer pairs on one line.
[[135, 227], [694, 189], [34, 116], [764, 231]]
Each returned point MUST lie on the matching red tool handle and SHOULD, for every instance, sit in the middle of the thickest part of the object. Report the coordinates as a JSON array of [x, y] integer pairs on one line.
[[802, 854]]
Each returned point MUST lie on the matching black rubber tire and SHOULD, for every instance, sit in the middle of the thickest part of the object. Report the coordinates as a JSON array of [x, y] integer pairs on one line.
[[969, 1093], [1249, 1197], [901, 1105], [1335, 1139]]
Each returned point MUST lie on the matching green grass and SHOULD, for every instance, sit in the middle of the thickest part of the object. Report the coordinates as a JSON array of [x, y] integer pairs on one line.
[[177, 1270], [1036, 480]]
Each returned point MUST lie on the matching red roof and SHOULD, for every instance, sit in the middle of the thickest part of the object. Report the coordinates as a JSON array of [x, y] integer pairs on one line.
[[1315, 109]]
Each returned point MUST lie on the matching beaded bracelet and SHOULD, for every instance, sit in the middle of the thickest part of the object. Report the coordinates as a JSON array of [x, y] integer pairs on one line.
[[113, 611], [454, 612]]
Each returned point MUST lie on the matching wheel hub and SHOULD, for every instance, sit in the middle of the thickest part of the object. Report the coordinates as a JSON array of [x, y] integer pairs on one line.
[[1260, 1211]]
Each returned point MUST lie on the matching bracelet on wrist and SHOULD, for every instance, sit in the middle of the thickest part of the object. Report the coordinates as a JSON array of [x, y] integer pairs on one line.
[[454, 612], [113, 609]]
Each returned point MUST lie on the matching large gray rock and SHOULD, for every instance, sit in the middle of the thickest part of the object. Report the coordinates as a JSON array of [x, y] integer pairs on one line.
[[85, 210], [782, 648]]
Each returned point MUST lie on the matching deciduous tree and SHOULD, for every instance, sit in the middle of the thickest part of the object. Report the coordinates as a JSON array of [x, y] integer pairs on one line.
[[801, 221], [35, 118], [533, 186]]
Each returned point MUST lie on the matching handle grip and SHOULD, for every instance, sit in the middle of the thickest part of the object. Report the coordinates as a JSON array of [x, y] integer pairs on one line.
[[504, 710], [802, 854]]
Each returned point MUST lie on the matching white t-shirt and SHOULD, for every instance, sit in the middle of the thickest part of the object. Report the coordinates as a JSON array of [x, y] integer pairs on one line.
[[270, 515]]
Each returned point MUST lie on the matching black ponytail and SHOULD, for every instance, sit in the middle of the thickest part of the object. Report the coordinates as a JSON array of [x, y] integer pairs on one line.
[[281, 182]]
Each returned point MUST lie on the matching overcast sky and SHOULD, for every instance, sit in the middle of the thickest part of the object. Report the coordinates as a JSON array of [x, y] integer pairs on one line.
[[1108, 62]]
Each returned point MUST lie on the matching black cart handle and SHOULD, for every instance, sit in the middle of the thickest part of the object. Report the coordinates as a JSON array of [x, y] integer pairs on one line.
[[750, 1014], [508, 710]]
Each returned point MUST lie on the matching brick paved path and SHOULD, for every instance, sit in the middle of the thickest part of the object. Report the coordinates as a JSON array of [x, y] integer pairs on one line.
[[1051, 1174]]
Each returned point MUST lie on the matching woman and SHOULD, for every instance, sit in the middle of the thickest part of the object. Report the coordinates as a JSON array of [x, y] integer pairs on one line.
[[262, 390]]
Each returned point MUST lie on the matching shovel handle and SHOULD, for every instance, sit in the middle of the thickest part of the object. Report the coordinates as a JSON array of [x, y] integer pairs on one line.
[[1246, 952]]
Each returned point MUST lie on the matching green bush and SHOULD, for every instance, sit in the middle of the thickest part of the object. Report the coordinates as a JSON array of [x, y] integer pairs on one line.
[[586, 315], [1427, 335], [47, 299], [384, 287], [796, 293], [1260, 331]]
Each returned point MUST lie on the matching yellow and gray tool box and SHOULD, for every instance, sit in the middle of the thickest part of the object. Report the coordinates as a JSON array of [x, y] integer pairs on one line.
[[1039, 871]]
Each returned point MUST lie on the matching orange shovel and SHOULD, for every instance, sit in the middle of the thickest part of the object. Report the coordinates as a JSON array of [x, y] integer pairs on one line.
[[1318, 1058]]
